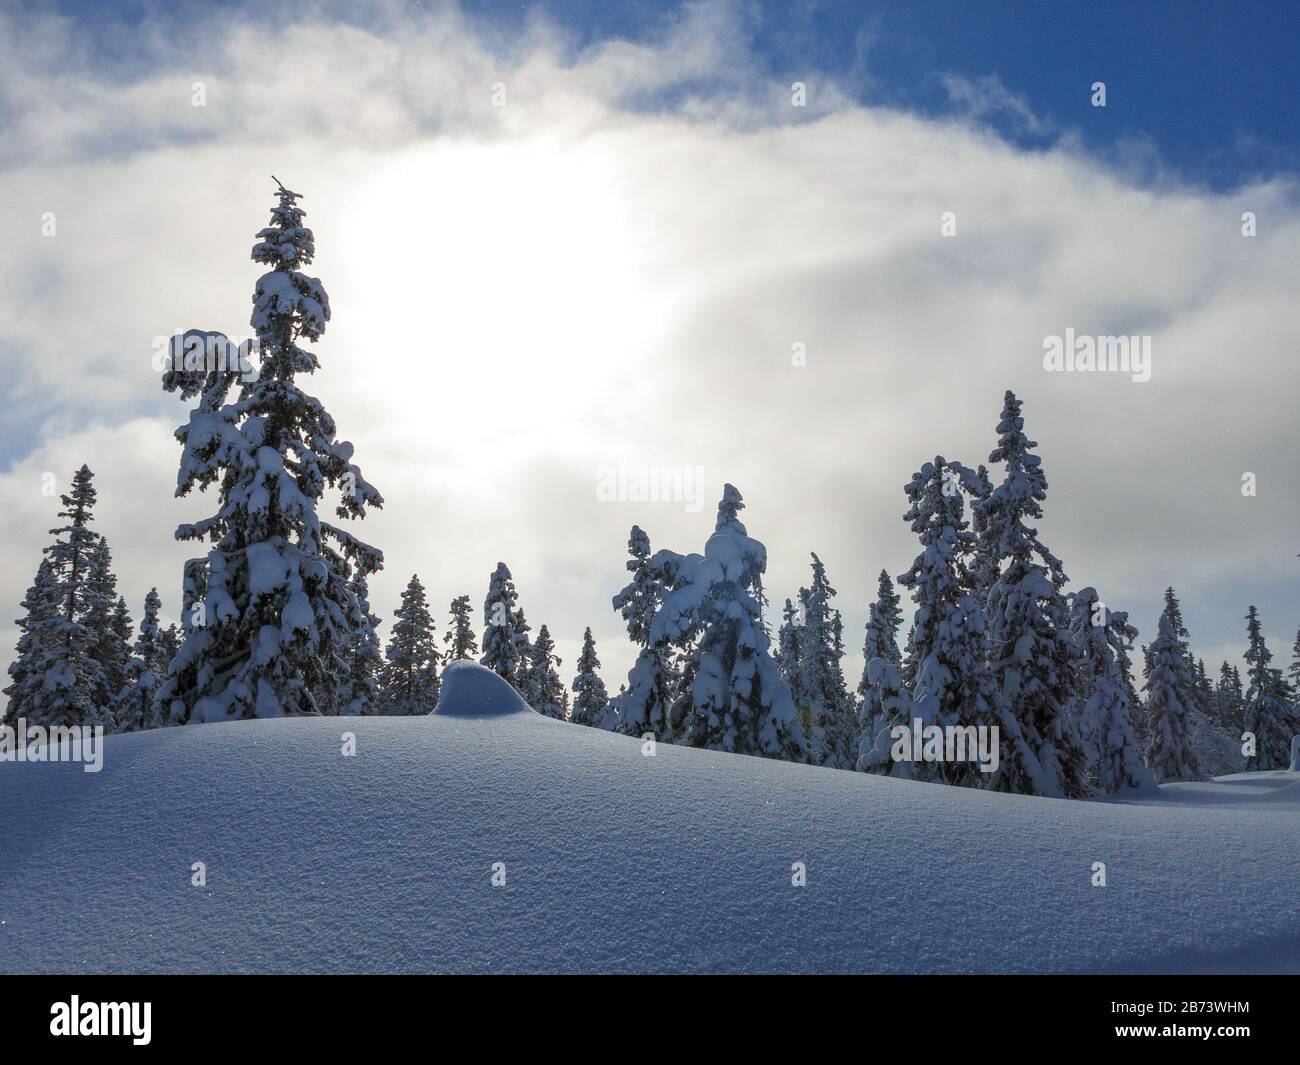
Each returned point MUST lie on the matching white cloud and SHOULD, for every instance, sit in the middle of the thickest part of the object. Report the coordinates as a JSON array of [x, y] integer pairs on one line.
[[987, 98]]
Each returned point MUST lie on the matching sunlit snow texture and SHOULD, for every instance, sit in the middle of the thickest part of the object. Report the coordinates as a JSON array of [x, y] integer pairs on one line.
[[614, 861]]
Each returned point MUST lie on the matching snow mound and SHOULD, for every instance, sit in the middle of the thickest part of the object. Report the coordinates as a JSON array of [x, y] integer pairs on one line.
[[471, 690], [518, 843]]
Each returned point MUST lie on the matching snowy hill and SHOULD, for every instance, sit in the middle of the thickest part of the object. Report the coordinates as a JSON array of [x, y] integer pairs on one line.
[[614, 861]]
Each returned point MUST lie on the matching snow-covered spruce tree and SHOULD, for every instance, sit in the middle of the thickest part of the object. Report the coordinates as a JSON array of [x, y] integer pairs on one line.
[[787, 649], [986, 564], [544, 685], [41, 690], [1098, 635], [886, 703], [410, 677], [883, 620], [145, 671], [277, 616], [1138, 721], [523, 679], [732, 697], [170, 642], [366, 657], [1028, 620], [122, 626], [75, 542], [883, 701], [460, 639], [1174, 611], [1293, 673], [1229, 700], [949, 684], [110, 627], [642, 706], [501, 615], [73, 688], [1268, 716], [1204, 689], [110, 636], [823, 701], [590, 700], [1171, 694]]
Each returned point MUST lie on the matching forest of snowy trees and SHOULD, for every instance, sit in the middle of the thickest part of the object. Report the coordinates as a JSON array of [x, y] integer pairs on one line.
[[275, 616]]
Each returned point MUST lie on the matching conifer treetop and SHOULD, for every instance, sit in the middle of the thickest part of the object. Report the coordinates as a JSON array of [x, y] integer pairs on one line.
[[1020, 496]]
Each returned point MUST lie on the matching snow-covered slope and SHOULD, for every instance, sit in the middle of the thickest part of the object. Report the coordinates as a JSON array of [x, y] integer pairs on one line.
[[613, 860]]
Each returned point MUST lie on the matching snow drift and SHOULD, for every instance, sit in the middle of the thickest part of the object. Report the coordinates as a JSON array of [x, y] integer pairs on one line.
[[612, 860], [471, 690]]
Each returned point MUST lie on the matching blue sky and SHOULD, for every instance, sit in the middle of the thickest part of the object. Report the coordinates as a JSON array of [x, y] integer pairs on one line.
[[1204, 88]]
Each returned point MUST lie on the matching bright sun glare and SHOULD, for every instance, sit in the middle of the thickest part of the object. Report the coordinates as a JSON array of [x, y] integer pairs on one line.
[[510, 273]]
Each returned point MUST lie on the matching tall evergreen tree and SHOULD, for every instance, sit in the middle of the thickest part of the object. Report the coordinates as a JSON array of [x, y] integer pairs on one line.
[[1171, 693], [122, 625], [111, 629], [366, 658], [410, 677], [278, 616], [823, 698], [149, 645], [109, 646], [460, 640], [501, 615], [546, 690], [524, 676], [986, 563], [1174, 611], [883, 620], [145, 671], [74, 686], [732, 697], [1294, 672], [1204, 689], [1229, 700], [75, 542], [884, 702], [1268, 714], [944, 671], [1138, 721], [170, 642], [42, 689], [590, 700], [643, 704], [1098, 635], [787, 650], [1028, 619]]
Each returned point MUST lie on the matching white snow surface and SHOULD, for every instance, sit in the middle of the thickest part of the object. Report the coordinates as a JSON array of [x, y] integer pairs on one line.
[[382, 862]]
